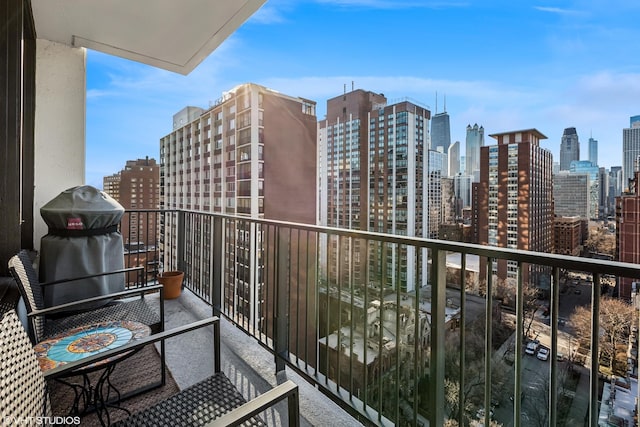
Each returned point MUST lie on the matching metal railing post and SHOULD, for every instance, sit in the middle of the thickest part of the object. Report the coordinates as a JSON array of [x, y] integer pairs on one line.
[[553, 377], [217, 271], [595, 365], [488, 337], [517, 375], [438, 303], [181, 244], [281, 321]]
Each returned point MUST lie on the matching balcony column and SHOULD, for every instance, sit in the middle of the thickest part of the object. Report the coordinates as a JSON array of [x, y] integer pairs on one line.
[[59, 125]]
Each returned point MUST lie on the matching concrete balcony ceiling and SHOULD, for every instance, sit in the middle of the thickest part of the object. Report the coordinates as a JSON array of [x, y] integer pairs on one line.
[[168, 34]]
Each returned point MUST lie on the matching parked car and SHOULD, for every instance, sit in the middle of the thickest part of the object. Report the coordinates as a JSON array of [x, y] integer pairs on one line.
[[543, 354], [532, 347]]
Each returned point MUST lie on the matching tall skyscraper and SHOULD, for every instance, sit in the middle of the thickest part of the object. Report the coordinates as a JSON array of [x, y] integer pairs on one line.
[[628, 234], [515, 198], [440, 130], [454, 159], [630, 150], [236, 158], [474, 141], [569, 148], [374, 178], [593, 151]]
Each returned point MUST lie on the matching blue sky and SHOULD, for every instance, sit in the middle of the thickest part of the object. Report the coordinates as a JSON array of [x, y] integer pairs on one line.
[[506, 65]]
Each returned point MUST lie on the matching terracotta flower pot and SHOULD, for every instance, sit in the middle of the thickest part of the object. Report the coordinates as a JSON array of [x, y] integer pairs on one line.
[[172, 282]]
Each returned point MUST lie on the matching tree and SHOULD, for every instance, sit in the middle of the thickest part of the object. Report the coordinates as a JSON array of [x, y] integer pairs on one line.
[[601, 241], [616, 318]]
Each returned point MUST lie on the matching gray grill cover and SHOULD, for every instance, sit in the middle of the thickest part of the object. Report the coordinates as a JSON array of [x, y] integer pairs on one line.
[[82, 240]]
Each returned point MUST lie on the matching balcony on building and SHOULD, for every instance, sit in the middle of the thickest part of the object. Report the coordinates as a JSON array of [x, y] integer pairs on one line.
[[376, 329]]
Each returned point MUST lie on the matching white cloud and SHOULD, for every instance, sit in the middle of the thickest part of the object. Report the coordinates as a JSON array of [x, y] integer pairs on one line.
[[559, 11]]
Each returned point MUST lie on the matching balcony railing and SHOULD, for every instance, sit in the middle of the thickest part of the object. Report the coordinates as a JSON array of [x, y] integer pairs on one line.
[[396, 329]]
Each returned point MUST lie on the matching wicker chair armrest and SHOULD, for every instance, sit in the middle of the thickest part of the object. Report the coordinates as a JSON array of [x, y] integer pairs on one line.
[[287, 390], [91, 276], [71, 305], [134, 345]]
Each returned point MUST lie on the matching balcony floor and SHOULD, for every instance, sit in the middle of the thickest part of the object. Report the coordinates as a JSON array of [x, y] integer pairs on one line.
[[244, 361]]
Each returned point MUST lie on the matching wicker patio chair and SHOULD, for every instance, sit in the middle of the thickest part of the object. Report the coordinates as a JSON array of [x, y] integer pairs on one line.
[[127, 305], [212, 402], [121, 305]]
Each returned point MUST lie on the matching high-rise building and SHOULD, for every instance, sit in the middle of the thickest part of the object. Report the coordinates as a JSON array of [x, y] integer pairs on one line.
[[569, 148], [630, 150], [586, 167], [593, 151], [441, 132], [398, 182], [374, 177], [436, 165], [628, 233], [344, 159], [474, 141], [615, 188], [515, 198], [603, 199], [454, 159], [572, 195], [236, 158], [462, 191], [135, 187]]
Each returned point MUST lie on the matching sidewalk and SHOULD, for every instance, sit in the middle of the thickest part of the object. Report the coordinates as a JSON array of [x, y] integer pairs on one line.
[[580, 402]]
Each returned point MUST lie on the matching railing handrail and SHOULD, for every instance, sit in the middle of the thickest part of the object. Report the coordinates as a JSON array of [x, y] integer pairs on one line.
[[591, 265]]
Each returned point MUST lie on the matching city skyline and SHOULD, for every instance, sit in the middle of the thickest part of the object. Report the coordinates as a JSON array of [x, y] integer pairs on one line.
[[286, 46]]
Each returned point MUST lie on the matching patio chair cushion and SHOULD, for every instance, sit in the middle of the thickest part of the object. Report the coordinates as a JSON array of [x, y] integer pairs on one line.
[[136, 309], [193, 406], [22, 385]]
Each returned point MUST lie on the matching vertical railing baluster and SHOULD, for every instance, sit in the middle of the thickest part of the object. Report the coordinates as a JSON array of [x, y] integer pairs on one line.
[[296, 321], [281, 332], [217, 282], [595, 350], [367, 278], [488, 331], [463, 338], [181, 243], [436, 362], [417, 356], [383, 279], [553, 381], [398, 335], [339, 268], [351, 320], [517, 388]]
